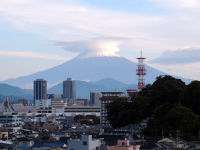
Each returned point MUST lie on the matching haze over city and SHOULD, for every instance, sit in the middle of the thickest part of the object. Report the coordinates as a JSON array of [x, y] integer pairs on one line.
[[43, 34], [100, 74]]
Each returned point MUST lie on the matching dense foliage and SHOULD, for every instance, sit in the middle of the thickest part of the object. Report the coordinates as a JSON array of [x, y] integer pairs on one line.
[[172, 105], [123, 111], [191, 96]]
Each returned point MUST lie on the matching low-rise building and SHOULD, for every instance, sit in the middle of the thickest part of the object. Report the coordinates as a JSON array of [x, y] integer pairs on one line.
[[82, 110], [124, 145], [58, 106], [85, 143], [85, 102], [10, 118], [40, 118]]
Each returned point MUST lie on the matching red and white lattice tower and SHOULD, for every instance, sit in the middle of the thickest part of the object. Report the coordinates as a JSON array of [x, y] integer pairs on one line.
[[141, 72]]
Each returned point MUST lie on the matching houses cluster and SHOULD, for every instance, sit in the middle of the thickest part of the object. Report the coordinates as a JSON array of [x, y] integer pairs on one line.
[[64, 122], [23, 131]]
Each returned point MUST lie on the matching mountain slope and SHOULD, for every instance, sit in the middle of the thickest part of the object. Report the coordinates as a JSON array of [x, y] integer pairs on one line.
[[6, 89], [83, 88], [92, 69], [14, 93], [111, 83]]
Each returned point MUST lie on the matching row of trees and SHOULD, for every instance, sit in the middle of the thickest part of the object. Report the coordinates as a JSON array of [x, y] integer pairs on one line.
[[173, 106]]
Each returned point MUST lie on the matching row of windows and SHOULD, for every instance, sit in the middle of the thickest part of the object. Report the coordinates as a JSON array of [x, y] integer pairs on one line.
[[96, 111], [44, 111]]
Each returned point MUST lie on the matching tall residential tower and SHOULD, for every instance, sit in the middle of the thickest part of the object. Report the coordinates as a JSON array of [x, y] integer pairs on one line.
[[40, 92], [69, 90], [94, 99]]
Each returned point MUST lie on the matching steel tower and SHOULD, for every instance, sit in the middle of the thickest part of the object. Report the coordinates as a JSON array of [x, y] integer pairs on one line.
[[141, 72]]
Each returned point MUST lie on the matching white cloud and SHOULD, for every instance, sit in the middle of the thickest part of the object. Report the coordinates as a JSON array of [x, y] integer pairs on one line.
[[92, 47], [179, 56], [188, 71], [26, 54], [71, 20], [184, 62], [178, 4]]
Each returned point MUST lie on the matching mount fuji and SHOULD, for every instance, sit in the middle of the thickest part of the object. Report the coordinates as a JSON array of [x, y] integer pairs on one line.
[[88, 69]]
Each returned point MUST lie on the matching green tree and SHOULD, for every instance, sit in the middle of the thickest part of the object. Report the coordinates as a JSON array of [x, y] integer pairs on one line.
[[158, 125], [183, 119], [166, 101], [166, 89], [168, 119], [115, 112], [121, 113], [191, 96]]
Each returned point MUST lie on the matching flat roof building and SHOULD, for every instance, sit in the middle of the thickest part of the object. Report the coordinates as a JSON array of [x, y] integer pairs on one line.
[[82, 110], [85, 143]]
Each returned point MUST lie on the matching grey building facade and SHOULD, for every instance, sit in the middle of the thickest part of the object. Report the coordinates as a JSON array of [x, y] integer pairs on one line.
[[94, 99], [40, 89], [69, 90]]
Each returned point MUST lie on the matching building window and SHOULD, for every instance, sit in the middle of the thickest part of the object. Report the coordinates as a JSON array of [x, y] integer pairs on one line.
[[84, 143]]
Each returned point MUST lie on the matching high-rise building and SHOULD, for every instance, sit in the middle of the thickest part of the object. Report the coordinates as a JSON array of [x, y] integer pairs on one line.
[[69, 90], [94, 99], [107, 98], [40, 90]]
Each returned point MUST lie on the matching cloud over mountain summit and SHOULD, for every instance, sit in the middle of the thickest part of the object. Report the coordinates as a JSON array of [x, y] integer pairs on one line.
[[92, 47]]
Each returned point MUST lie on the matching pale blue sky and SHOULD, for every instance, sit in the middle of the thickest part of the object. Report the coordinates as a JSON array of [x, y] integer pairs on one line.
[[131, 6], [33, 32]]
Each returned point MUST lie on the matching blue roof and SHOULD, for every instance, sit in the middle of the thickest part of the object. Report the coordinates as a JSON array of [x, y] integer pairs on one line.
[[49, 144], [24, 147]]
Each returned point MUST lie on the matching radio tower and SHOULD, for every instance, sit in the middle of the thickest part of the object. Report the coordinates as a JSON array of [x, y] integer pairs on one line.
[[141, 72]]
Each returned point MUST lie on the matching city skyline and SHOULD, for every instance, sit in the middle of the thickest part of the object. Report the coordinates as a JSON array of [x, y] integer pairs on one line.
[[42, 35]]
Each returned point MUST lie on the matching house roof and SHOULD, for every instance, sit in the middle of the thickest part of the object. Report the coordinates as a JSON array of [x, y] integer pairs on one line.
[[49, 144]]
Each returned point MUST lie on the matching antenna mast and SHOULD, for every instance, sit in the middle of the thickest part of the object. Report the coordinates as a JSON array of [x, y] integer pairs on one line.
[[141, 72]]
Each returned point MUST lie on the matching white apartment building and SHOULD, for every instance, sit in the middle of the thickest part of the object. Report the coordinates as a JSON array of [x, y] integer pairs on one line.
[[85, 143]]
